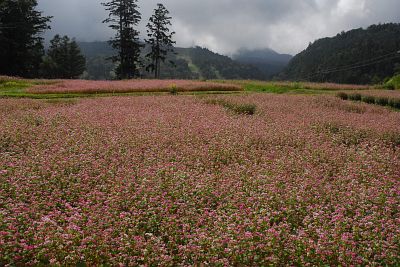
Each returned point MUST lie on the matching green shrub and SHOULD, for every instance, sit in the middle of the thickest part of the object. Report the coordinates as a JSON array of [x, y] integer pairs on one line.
[[244, 109], [11, 84], [392, 139], [297, 85], [173, 90], [354, 108], [6, 143], [332, 127], [352, 137], [368, 99], [215, 101], [345, 135], [382, 101], [355, 97], [241, 109], [389, 86], [394, 103], [393, 83], [343, 96]]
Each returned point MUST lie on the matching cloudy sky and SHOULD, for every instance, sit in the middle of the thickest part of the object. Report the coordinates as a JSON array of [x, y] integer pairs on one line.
[[225, 26]]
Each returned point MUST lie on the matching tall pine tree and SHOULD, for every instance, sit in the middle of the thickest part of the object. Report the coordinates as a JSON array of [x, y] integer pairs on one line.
[[160, 39], [21, 44], [124, 17]]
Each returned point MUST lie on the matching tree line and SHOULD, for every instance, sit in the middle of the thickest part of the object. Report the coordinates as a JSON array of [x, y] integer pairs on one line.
[[359, 56], [189, 63], [22, 52]]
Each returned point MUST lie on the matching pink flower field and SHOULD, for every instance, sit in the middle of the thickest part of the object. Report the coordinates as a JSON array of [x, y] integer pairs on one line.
[[178, 181], [380, 93], [129, 86], [324, 86]]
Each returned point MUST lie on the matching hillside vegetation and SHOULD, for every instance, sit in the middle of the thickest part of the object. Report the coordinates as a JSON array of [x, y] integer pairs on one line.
[[268, 61], [190, 63], [359, 56], [393, 83]]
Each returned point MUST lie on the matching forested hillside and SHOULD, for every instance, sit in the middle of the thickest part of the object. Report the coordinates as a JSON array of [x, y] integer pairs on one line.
[[188, 63], [208, 65], [358, 56], [268, 61]]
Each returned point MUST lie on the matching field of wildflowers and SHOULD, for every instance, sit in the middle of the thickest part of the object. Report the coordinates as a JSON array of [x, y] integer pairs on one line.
[[178, 181], [281, 87], [389, 98], [380, 93], [321, 86], [130, 86]]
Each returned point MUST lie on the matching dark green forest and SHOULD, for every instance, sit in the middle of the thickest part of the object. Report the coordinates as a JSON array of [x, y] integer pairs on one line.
[[21, 41], [188, 63], [360, 56]]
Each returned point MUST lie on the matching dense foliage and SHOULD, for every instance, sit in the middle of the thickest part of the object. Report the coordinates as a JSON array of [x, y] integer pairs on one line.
[[214, 66], [97, 65], [268, 61], [189, 63], [393, 83], [63, 60], [21, 44], [159, 39], [358, 56]]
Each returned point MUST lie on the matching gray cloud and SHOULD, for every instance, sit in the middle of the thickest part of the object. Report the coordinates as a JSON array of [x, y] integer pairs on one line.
[[227, 25]]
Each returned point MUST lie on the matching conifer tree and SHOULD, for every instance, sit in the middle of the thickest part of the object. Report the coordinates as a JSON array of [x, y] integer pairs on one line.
[[21, 43], [124, 17], [63, 60], [160, 39]]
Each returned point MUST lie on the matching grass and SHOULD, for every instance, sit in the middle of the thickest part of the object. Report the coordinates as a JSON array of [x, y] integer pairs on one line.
[[355, 97], [279, 87], [11, 87], [268, 88], [342, 96]]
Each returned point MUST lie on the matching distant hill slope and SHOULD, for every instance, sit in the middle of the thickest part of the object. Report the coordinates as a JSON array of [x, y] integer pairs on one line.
[[267, 60], [190, 63], [358, 56], [93, 49], [209, 65]]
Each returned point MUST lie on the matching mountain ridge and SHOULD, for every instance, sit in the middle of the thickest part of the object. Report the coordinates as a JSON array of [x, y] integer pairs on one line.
[[268, 61], [349, 57], [191, 63]]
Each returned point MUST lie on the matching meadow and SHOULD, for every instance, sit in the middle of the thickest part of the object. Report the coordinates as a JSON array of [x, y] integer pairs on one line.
[[46, 89], [53, 89], [252, 179]]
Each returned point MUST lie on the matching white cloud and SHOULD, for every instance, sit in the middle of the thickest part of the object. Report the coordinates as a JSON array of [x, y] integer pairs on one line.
[[352, 7]]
